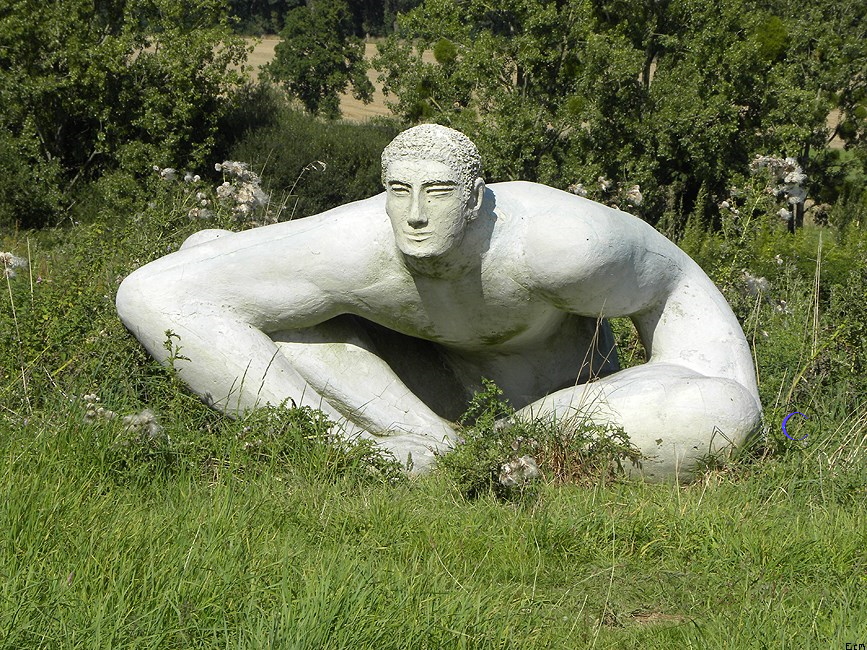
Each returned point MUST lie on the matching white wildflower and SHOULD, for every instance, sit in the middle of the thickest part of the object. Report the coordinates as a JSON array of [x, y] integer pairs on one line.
[[144, 422], [241, 170], [634, 196], [778, 259], [756, 285], [795, 177], [169, 174], [578, 189], [200, 213], [93, 410], [786, 215], [605, 184], [727, 206], [519, 471], [787, 177], [225, 191], [252, 195], [795, 193], [10, 262]]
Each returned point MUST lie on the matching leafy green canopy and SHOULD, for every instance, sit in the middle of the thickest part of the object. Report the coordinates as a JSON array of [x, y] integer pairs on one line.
[[92, 86], [369, 17], [318, 57], [672, 95]]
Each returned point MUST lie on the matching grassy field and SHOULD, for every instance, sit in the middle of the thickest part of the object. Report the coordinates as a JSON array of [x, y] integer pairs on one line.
[[775, 560], [178, 528]]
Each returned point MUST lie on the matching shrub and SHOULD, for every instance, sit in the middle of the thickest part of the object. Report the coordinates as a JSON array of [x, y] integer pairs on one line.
[[497, 447], [351, 153], [88, 87]]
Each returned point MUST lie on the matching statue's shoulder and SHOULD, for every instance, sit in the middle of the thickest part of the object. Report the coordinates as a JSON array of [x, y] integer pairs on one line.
[[351, 219], [546, 211]]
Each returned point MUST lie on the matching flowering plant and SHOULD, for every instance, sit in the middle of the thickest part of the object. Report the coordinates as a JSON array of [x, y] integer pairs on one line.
[[240, 196], [238, 200], [10, 262]]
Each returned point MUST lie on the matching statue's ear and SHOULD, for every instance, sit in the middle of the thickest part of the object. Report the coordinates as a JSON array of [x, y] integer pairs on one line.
[[474, 204]]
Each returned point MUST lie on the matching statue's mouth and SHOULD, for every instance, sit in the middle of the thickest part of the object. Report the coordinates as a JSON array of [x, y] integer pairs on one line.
[[418, 236]]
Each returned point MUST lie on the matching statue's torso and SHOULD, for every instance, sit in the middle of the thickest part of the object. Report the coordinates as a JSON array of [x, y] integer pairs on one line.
[[492, 324]]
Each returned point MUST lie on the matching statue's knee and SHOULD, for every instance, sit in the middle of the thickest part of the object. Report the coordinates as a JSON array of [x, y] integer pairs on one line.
[[203, 236], [722, 408], [738, 405], [696, 411]]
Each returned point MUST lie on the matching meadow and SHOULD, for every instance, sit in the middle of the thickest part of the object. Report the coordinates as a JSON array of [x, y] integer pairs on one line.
[[134, 517]]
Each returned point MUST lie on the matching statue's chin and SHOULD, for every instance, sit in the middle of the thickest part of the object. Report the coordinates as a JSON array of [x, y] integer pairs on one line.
[[414, 251], [443, 258], [426, 264]]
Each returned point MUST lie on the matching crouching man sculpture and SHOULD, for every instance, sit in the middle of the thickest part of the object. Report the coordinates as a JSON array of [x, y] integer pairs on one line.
[[386, 314]]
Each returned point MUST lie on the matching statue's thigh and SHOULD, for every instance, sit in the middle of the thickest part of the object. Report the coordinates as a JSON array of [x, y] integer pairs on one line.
[[340, 347]]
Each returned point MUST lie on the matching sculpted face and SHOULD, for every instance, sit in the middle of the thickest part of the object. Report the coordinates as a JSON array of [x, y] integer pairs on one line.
[[428, 207]]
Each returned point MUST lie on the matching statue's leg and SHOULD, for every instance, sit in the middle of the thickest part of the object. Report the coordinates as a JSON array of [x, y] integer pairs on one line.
[[378, 385], [672, 414]]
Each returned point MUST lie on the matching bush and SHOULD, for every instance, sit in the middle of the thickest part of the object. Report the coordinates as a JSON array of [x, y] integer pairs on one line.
[[502, 454], [89, 87], [351, 153]]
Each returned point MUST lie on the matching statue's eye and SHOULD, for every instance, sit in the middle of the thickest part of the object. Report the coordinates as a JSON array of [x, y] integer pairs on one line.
[[399, 190], [440, 190]]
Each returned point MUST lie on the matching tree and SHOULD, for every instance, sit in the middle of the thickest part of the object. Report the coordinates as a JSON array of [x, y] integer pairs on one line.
[[87, 87], [676, 96], [318, 57], [261, 16]]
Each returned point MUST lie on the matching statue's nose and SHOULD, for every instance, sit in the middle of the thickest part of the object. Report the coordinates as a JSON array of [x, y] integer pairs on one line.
[[416, 217]]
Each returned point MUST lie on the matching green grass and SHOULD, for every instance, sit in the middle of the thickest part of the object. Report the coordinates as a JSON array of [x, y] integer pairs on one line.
[[773, 559]]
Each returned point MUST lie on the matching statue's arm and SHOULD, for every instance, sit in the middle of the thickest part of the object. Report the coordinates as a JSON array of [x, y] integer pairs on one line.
[[219, 299], [601, 262], [697, 394], [226, 299], [594, 261]]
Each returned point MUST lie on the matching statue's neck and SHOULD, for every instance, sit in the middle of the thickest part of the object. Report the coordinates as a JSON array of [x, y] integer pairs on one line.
[[443, 267]]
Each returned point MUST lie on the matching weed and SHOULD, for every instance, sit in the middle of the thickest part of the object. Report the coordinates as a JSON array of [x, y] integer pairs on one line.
[[503, 453]]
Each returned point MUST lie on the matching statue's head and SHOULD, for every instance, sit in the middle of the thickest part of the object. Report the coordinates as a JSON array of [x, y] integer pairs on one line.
[[432, 177]]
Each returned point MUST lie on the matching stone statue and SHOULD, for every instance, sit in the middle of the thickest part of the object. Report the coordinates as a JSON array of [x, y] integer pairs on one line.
[[386, 314]]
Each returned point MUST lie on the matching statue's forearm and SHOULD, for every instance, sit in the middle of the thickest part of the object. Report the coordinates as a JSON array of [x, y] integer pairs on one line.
[[231, 365]]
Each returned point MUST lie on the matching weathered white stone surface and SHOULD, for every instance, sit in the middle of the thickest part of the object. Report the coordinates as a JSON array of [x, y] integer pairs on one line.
[[386, 313]]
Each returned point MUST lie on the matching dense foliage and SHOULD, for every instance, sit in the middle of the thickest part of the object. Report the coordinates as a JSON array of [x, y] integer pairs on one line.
[[676, 96], [369, 17], [88, 87]]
